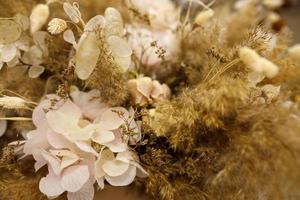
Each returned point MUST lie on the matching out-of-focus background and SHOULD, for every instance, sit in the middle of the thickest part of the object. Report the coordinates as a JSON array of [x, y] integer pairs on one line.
[[291, 16]]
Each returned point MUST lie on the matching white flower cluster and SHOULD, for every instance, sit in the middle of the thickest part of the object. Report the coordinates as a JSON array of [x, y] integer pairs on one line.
[[83, 142], [145, 91]]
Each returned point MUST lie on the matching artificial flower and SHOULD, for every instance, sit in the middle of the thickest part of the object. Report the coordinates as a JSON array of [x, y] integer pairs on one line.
[[146, 91], [141, 41], [65, 137], [64, 175], [119, 170]]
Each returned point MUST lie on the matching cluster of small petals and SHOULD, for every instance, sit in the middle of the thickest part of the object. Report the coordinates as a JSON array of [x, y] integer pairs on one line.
[[65, 139], [144, 91]]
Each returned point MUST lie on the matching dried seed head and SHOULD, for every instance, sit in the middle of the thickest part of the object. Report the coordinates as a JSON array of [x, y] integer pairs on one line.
[[268, 68], [257, 63], [12, 102], [204, 16], [57, 26], [248, 56], [39, 17]]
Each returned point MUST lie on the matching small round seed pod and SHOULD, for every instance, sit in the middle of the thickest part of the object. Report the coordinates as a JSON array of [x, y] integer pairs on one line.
[[57, 26]]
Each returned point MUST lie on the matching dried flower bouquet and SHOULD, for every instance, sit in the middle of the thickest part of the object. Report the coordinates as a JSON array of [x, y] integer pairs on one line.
[[182, 100]]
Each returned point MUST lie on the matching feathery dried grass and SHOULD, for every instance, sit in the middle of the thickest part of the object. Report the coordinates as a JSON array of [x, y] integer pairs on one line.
[[206, 107]]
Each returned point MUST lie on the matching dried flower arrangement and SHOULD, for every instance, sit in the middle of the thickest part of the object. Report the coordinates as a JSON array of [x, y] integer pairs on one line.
[[187, 100]]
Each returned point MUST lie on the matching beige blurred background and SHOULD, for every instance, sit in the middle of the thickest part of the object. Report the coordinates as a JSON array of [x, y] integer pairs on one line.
[[292, 18]]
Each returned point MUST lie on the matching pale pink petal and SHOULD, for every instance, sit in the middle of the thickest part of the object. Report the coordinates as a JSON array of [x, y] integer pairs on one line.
[[100, 182], [39, 117], [74, 177], [131, 157], [89, 160], [125, 156], [37, 140], [104, 156], [60, 122], [59, 141], [68, 161], [82, 134], [39, 160], [118, 145], [144, 86], [115, 167], [136, 95], [3, 126], [123, 180], [85, 193], [71, 109], [157, 90], [102, 136], [53, 161], [39, 164], [86, 148], [111, 120], [68, 157], [89, 103], [140, 172], [50, 186]]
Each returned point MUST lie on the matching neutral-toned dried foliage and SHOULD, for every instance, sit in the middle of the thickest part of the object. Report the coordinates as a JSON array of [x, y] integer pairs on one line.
[[210, 141]]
